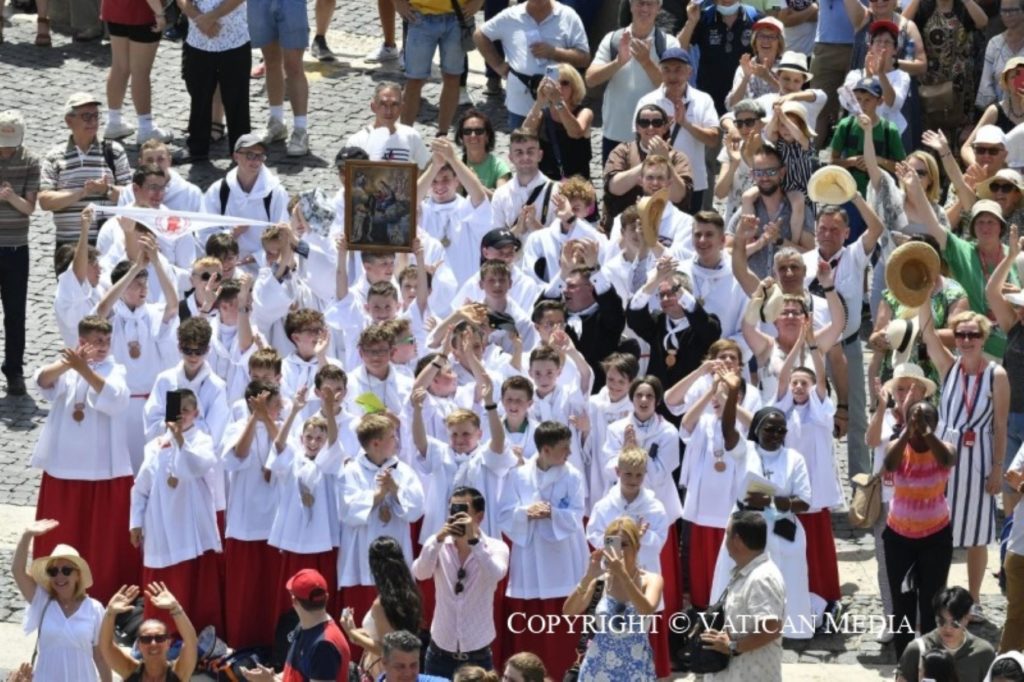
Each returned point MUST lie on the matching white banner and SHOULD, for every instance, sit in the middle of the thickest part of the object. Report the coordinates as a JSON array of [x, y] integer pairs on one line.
[[172, 224]]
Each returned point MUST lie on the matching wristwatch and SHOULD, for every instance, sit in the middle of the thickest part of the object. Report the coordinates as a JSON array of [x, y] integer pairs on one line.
[[733, 651]]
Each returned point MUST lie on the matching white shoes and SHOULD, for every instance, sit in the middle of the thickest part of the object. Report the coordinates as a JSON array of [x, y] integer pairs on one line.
[[464, 98], [298, 144], [276, 131], [154, 134], [384, 53], [117, 131]]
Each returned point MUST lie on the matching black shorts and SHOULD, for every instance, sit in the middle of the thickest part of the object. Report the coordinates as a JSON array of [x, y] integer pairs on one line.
[[136, 34]]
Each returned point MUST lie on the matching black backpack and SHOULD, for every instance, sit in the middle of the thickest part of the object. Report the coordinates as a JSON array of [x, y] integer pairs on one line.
[[225, 191], [659, 42]]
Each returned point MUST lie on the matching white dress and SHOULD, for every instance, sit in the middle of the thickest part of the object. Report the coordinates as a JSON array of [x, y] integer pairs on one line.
[[65, 643]]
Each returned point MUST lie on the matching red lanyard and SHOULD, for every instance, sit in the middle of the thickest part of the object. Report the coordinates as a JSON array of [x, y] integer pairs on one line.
[[970, 402]]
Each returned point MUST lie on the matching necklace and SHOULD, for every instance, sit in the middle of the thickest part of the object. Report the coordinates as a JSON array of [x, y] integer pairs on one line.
[[1011, 110]]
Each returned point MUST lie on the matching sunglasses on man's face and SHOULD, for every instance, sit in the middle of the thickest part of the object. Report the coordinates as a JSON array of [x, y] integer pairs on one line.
[[650, 122], [194, 352], [153, 639], [746, 122], [986, 151], [65, 571], [764, 172], [942, 622], [1002, 187]]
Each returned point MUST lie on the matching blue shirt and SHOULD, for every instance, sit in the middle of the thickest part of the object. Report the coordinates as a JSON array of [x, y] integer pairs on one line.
[[833, 23]]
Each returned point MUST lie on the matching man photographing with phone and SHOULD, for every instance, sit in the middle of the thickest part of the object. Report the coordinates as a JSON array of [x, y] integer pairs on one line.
[[466, 566]]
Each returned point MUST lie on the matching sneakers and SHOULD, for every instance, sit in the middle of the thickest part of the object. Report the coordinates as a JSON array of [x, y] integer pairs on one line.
[[117, 131], [977, 614], [276, 131], [154, 134], [464, 99], [493, 88], [884, 635], [384, 53], [320, 51], [298, 144]]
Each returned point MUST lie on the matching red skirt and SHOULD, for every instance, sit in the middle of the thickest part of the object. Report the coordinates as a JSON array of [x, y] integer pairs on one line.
[[705, 544], [555, 646], [93, 519], [671, 571], [497, 653], [822, 564], [196, 584], [659, 646], [359, 598], [427, 598], [291, 563], [250, 621]]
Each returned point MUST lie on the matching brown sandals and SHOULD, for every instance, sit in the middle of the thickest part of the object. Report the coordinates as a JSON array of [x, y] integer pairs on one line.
[[43, 39]]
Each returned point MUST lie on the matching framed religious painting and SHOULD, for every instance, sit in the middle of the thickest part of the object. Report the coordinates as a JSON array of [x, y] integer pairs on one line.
[[380, 205]]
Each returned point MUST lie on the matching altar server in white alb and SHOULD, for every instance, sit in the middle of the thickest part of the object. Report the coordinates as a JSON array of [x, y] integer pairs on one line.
[[251, 505], [306, 527], [541, 512], [78, 273], [380, 496], [607, 406], [173, 518], [144, 335], [83, 453]]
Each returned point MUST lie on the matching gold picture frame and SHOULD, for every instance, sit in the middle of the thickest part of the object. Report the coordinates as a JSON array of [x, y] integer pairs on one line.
[[380, 206]]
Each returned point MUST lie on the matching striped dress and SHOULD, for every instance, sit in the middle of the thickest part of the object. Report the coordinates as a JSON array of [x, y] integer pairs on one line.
[[967, 408]]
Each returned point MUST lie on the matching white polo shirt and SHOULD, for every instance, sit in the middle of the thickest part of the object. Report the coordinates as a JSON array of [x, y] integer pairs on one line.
[[700, 111], [848, 265], [517, 30]]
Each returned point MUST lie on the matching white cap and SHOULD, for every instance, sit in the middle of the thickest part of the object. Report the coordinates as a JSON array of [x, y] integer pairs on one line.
[[990, 134], [12, 128]]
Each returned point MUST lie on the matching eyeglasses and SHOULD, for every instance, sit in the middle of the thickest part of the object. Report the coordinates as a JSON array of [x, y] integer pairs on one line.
[[668, 293], [407, 340], [86, 116], [746, 122], [153, 639], [471, 132], [942, 622], [194, 352], [1002, 187], [765, 172], [964, 336], [155, 188], [253, 156], [65, 571], [1011, 10], [989, 151], [459, 577], [650, 122]]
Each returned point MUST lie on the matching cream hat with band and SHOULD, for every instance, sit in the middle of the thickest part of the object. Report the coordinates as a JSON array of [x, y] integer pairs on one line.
[[68, 553], [12, 128], [909, 370]]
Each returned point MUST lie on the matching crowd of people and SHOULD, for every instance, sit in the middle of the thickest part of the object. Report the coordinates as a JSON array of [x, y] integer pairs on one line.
[[612, 397]]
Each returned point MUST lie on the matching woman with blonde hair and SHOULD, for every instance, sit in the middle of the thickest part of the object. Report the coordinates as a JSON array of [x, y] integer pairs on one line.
[[562, 123], [65, 619]]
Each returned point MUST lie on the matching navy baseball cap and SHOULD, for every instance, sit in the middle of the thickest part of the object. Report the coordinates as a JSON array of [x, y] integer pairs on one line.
[[869, 85], [676, 53]]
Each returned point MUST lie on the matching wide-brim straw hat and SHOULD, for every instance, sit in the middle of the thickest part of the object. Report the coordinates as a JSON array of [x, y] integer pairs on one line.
[[911, 273], [651, 209], [831, 185], [38, 568], [1002, 175], [901, 335], [909, 370]]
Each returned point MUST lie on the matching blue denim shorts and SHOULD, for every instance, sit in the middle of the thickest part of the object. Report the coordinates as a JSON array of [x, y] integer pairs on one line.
[[428, 32], [278, 21]]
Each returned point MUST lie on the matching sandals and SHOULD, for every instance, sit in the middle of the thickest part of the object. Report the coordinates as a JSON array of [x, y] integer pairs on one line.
[[216, 131], [43, 39]]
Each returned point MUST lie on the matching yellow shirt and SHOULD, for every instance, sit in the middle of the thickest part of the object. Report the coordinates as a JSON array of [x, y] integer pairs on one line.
[[433, 6]]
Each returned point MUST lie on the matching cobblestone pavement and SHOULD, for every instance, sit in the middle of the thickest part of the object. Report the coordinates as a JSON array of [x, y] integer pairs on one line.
[[37, 82]]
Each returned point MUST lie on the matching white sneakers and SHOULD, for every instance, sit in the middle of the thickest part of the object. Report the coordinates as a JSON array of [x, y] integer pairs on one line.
[[276, 131], [117, 131], [384, 53], [154, 134], [298, 143]]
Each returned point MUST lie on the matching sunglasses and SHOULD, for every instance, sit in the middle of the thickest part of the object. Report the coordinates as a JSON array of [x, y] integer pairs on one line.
[[153, 639], [963, 336], [471, 132], [650, 122], [194, 352], [987, 151], [777, 430], [764, 172], [746, 122], [65, 571], [668, 293], [941, 622], [253, 156], [459, 577], [1002, 187], [1011, 10]]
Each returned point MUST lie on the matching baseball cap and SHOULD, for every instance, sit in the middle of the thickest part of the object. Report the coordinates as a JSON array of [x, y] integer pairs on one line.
[[769, 23], [499, 237], [990, 134], [869, 85], [249, 140], [308, 585], [12, 128], [889, 27], [676, 53], [79, 99]]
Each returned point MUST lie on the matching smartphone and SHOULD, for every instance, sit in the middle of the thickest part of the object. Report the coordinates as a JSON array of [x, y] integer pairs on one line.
[[551, 71], [458, 508], [173, 412], [614, 542]]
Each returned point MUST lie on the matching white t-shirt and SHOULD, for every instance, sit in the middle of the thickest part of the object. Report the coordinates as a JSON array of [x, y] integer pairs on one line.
[[405, 144]]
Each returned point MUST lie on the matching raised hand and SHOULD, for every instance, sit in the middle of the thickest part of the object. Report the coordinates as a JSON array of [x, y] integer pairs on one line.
[[123, 600], [161, 597], [935, 139], [825, 275], [300, 399]]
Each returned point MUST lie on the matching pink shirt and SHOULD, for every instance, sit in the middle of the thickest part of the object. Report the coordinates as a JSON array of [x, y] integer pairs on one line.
[[919, 508], [463, 622]]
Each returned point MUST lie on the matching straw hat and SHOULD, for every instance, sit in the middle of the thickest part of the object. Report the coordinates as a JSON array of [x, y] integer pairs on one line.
[[909, 370], [911, 273], [831, 185], [651, 210], [901, 335], [38, 568], [796, 62], [800, 112], [1011, 65], [1003, 175]]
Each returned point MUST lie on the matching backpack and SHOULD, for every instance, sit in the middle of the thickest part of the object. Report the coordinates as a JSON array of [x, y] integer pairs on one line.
[[225, 191], [659, 42], [108, 157]]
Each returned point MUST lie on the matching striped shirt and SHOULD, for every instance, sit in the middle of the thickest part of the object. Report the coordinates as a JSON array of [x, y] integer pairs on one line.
[[67, 167], [919, 508], [21, 172]]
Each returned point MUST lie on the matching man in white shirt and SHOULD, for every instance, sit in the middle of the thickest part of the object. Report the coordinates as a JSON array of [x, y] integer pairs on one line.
[[695, 120], [534, 34], [386, 139], [528, 189]]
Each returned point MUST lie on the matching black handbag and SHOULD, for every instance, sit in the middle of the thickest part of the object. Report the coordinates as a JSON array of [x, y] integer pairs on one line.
[[467, 28], [693, 656], [572, 674]]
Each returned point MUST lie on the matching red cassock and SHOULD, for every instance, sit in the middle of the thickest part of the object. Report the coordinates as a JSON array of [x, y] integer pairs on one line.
[[93, 518], [291, 563], [250, 621], [822, 564], [196, 584], [528, 628], [705, 543]]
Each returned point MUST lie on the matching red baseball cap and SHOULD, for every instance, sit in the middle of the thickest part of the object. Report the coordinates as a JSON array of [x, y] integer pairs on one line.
[[308, 584]]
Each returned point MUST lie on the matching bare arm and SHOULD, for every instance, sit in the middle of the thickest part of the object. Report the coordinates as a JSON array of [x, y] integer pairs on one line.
[[937, 351], [113, 294], [490, 54], [997, 303], [677, 393], [693, 415], [80, 265]]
